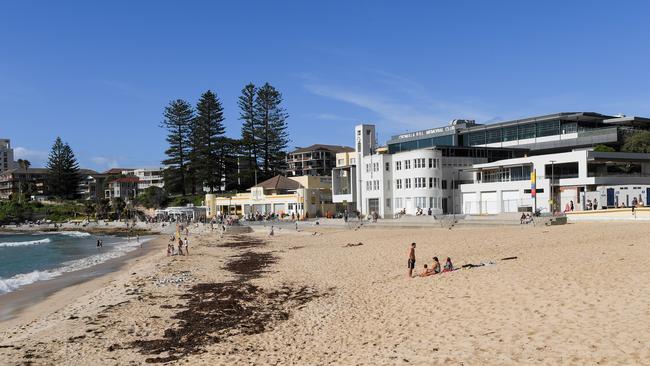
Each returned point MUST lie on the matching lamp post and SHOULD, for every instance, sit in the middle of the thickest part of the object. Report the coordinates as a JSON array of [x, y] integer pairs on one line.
[[551, 195]]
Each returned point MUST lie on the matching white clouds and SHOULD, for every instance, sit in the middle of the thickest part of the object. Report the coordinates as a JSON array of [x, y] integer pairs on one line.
[[397, 100], [104, 162], [36, 157]]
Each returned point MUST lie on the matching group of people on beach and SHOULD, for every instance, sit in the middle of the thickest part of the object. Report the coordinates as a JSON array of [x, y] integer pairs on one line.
[[178, 245], [436, 268]]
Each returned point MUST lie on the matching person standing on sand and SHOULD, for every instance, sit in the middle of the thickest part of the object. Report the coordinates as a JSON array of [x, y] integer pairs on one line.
[[187, 246], [411, 261], [98, 244]]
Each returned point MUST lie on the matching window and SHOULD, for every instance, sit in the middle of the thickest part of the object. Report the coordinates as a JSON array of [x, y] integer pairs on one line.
[[340, 162], [430, 163], [430, 182], [444, 184], [548, 128], [367, 168], [398, 184], [352, 161], [510, 133], [398, 165], [477, 138], [407, 164], [376, 185], [493, 135], [368, 186], [419, 163], [407, 183], [436, 163], [388, 167], [398, 203], [527, 131], [375, 167]]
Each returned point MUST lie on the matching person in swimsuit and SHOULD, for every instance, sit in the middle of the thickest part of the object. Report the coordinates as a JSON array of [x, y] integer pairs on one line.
[[426, 271], [436, 265], [411, 260], [448, 266]]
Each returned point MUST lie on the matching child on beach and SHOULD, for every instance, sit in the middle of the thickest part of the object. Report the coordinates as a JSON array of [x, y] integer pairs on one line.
[[426, 272], [411, 260]]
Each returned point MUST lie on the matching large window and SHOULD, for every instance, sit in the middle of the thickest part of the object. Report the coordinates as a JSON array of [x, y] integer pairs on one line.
[[569, 127], [527, 131], [548, 128], [564, 170], [493, 135], [477, 138], [510, 133]]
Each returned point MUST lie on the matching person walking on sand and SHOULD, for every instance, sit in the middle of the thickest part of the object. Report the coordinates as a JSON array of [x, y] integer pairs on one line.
[[411, 260], [187, 246], [98, 244]]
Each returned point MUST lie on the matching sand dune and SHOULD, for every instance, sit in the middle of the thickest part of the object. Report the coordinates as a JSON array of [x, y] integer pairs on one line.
[[576, 294]]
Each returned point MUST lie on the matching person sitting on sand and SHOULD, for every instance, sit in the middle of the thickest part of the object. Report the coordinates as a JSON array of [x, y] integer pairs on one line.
[[426, 271], [448, 266], [436, 266]]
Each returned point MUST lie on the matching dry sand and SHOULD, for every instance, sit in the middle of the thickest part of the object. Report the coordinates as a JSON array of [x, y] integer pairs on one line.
[[576, 294]]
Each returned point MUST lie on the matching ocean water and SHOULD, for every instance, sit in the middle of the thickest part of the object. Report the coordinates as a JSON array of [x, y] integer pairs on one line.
[[27, 258]]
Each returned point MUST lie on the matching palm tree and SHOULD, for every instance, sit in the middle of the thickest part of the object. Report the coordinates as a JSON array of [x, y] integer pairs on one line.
[[23, 164]]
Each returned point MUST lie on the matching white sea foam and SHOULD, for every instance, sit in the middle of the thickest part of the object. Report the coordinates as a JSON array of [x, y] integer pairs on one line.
[[22, 243], [74, 234], [117, 250], [10, 284]]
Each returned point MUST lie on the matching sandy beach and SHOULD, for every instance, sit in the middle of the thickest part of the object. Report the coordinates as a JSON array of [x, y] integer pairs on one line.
[[575, 294]]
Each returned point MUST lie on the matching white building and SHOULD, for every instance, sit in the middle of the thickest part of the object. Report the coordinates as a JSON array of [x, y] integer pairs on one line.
[[414, 174], [492, 163], [612, 179], [147, 177], [6, 155]]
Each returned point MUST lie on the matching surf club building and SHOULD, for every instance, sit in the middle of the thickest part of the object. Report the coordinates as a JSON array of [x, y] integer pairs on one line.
[[469, 168]]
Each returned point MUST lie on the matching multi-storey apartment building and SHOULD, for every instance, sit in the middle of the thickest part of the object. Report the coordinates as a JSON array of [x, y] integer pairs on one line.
[[6, 155], [314, 160], [148, 177]]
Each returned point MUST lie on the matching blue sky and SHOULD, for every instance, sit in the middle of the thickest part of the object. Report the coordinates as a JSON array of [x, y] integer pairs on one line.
[[99, 74]]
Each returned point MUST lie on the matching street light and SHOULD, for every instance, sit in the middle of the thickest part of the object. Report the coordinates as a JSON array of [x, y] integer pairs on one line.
[[552, 197]]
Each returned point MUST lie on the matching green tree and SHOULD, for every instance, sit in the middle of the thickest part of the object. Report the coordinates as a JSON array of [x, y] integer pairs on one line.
[[89, 209], [637, 142], [153, 197], [64, 175], [211, 151], [272, 132], [250, 135], [178, 118], [604, 148], [24, 185], [119, 206], [101, 208]]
